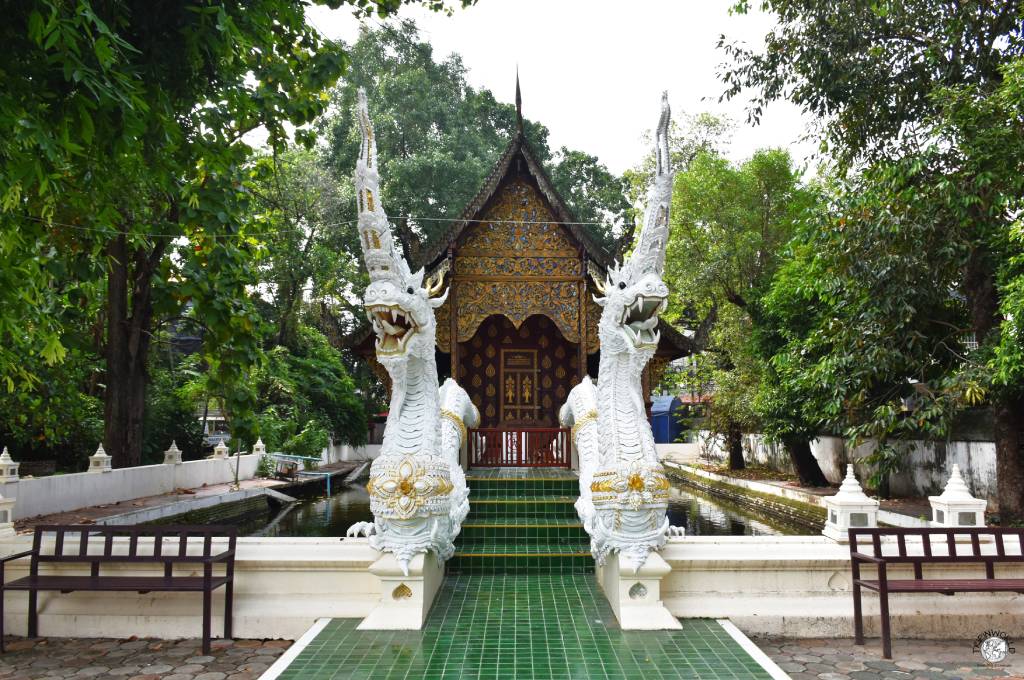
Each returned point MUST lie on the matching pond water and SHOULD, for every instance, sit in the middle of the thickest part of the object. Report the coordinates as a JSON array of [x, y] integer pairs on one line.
[[332, 516]]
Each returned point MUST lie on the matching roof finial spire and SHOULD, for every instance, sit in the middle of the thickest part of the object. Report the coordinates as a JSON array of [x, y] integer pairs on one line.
[[519, 104]]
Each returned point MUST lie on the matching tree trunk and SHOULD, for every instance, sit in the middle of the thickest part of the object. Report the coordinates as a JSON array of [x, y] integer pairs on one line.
[[129, 318], [983, 300], [734, 442], [1009, 436], [804, 462]]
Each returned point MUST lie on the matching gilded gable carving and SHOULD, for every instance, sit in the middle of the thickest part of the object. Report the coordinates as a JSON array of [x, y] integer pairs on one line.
[[443, 315], [522, 226], [518, 300]]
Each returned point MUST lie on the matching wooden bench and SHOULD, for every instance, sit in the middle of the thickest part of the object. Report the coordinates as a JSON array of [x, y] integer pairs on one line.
[[71, 545], [968, 551]]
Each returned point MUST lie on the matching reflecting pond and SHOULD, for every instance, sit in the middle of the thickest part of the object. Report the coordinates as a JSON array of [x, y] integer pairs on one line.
[[701, 514]]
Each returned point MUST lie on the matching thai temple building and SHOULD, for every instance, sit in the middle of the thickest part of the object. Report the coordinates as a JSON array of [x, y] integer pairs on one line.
[[519, 327]]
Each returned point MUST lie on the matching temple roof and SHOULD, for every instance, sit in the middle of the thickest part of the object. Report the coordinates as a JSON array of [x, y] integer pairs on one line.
[[506, 168], [519, 147]]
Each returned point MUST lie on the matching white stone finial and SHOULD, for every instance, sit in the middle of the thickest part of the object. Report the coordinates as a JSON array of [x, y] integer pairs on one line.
[[956, 488], [172, 456], [220, 451], [259, 448], [99, 461], [851, 489], [849, 509], [955, 506], [8, 468]]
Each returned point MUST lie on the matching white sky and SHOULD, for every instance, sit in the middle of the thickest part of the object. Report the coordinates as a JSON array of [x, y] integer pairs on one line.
[[592, 71]]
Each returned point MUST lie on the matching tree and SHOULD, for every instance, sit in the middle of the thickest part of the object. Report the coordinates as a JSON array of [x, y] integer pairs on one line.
[[866, 70], [730, 227], [916, 253], [306, 260], [121, 156]]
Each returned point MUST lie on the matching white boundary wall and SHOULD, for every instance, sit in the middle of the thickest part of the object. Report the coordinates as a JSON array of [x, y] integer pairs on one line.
[[799, 586], [337, 453], [60, 493], [795, 586], [925, 470]]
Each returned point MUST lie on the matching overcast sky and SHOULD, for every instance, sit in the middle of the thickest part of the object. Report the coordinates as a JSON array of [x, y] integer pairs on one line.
[[592, 71]]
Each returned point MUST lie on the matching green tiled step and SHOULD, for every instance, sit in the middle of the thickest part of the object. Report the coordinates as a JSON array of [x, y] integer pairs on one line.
[[551, 507], [513, 488], [494, 557], [523, 530]]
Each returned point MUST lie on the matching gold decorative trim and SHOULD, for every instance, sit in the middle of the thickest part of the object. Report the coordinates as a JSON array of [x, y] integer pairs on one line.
[[587, 418], [454, 417]]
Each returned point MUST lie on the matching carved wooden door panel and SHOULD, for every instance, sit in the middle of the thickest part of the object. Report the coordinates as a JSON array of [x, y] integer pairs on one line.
[[519, 387]]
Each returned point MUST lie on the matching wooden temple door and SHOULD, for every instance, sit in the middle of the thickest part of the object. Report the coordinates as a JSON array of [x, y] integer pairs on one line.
[[519, 378]]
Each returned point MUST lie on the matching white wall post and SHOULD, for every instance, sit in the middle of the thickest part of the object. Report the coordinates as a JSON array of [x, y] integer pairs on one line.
[[849, 509], [220, 451], [99, 461], [172, 456], [8, 468], [7, 517], [955, 506]]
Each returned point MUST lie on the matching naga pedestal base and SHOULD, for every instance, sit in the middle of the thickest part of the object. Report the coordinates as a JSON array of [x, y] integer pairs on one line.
[[404, 600], [636, 596]]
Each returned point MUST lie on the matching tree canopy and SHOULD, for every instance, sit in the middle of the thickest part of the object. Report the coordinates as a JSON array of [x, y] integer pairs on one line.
[[899, 306]]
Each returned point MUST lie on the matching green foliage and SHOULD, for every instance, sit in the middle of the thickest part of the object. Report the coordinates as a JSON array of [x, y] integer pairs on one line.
[[171, 413], [305, 262], [730, 224], [866, 70], [915, 249], [438, 138], [309, 442], [305, 391], [123, 173]]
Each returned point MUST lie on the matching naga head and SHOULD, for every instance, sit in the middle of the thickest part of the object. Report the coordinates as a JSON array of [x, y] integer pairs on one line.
[[634, 293], [400, 306]]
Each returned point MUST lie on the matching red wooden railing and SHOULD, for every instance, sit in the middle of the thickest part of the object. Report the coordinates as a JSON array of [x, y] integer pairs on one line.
[[519, 447]]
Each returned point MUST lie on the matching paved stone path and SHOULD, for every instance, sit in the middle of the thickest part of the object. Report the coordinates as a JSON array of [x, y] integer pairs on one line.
[[839, 659], [48, 658], [912, 660]]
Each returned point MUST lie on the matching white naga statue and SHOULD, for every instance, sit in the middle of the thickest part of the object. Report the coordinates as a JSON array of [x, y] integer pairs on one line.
[[623, 488], [417, 489]]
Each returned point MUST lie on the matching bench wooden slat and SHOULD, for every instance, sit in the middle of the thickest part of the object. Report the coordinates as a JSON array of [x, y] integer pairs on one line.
[[939, 585], [114, 583]]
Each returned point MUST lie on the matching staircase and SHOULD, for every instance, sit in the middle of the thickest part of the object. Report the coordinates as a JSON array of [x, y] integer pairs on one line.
[[522, 521]]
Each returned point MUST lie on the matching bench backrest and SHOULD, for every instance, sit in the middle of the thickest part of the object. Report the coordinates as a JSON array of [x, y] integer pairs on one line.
[[71, 543], [940, 545]]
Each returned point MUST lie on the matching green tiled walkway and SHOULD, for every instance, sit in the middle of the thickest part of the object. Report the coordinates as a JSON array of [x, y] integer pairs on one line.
[[524, 627]]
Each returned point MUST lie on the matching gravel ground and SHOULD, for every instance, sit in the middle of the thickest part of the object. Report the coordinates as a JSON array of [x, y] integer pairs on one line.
[[137, 659], [912, 660]]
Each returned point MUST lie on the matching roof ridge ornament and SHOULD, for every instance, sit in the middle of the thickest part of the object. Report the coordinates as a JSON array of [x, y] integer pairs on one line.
[[519, 104]]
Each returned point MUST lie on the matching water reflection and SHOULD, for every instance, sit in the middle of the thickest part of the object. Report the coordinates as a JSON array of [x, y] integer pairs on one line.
[[704, 516], [331, 516]]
